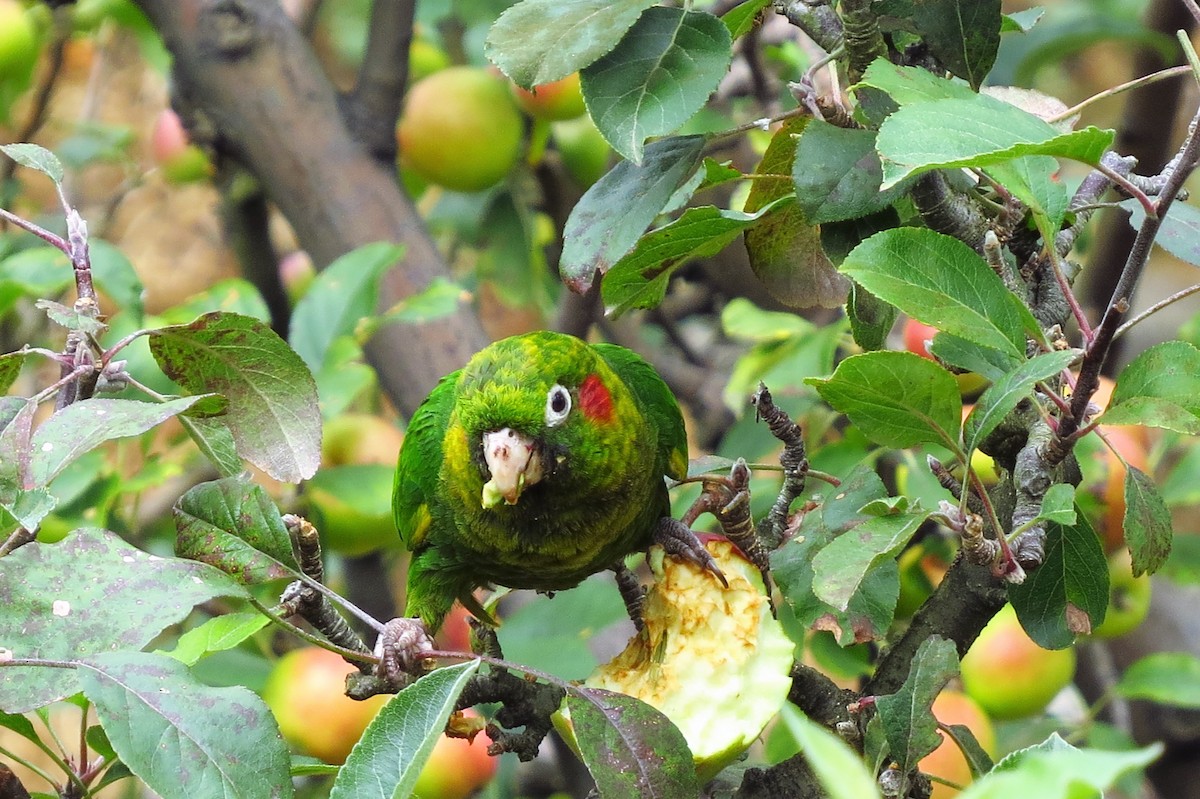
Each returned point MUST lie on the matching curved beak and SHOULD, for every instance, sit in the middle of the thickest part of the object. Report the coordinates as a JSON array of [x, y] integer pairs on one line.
[[514, 464]]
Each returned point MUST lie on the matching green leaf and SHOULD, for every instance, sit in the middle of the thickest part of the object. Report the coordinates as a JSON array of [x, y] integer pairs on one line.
[[125, 600], [28, 506], [639, 280], [837, 174], [182, 738], [232, 296], [785, 249], [440, 298], [1168, 678], [1022, 21], [1058, 771], [233, 525], [741, 18], [1073, 579], [906, 715], [10, 368], [630, 748], [871, 319], [115, 276], [342, 293], [838, 768], [978, 132], [938, 280], [897, 399], [742, 320], [35, 157], [869, 612], [1032, 181], [84, 425], [538, 41], [387, 760], [610, 218], [964, 37], [1058, 504], [1179, 232], [1159, 388], [840, 568], [20, 725], [969, 356], [272, 412], [213, 438], [908, 85], [1147, 523], [1005, 394], [659, 75], [216, 635]]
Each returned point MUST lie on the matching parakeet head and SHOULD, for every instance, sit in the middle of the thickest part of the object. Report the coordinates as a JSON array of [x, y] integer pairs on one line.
[[541, 412]]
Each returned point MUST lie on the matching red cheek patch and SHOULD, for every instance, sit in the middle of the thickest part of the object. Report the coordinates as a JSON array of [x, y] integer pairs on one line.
[[594, 399]]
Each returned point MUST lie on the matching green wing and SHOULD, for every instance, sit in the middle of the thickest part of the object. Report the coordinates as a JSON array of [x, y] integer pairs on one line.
[[419, 463], [658, 403]]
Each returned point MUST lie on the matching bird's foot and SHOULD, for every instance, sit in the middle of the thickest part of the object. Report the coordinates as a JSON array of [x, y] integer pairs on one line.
[[678, 539], [401, 650]]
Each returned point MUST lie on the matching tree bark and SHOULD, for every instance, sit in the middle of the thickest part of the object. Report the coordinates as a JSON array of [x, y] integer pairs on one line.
[[246, 70]]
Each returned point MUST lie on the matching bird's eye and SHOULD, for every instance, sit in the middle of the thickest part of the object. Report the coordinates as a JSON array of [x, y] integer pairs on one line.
[[558, 405]]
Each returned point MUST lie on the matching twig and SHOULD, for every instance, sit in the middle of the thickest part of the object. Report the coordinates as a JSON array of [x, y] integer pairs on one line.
[[1136, 83], [1155, 308]]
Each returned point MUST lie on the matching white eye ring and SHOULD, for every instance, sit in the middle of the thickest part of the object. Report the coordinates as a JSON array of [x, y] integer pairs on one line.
[[558, 405]]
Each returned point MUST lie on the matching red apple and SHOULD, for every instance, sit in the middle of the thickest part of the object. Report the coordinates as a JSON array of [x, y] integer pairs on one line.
[[457, 767], [554, 101], [306, 692], [1009, 675]]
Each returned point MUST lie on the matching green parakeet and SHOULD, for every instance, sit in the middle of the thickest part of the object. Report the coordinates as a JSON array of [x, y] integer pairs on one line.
[[536, 465]]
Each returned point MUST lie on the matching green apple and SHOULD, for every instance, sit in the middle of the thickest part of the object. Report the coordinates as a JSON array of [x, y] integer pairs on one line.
[[352, 507], [1009, 675], [584, 152], [460, 129], [180, 160], [1128, 598], [18, 40]]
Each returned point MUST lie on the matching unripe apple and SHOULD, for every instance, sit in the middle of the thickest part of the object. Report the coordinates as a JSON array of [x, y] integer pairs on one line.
[[460, 129], [424, 59], [306, 692], [947, 761], [180, 160], [554, 101], [351, 506], [583, 149], [1128, 598], [18, 41], [360, 438], [296, 273], [1009, 675], [457, 767]]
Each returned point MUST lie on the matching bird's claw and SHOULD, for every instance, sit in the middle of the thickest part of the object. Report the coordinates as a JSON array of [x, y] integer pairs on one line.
[[677, 539], [401, 649]]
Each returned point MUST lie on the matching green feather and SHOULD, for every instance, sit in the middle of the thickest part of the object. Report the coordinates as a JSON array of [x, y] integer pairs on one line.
[[601, 492]]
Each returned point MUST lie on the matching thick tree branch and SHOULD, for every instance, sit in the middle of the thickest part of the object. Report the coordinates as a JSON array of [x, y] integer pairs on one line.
[[244, 65], [374, 106]]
